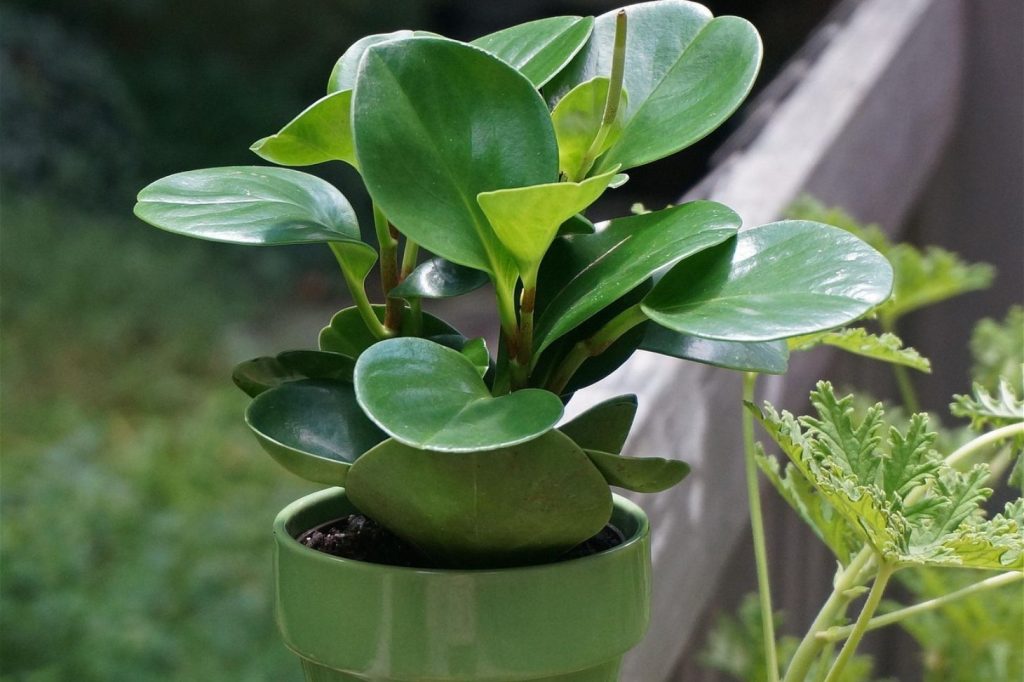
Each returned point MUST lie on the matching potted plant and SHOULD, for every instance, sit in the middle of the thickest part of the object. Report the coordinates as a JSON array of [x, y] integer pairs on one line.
[[519, 562]]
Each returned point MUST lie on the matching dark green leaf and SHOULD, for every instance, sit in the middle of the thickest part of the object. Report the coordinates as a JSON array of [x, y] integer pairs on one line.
[[347, 333], [343, 76], [772, 282], [259, 374], [438, 278], [313, 428], [249, 205], [578, 224], [436, 123], [475, 350], [639, 474], [539, 49], [432, 397], [609, 264], [522, 504], [604, 426], [766, 357]]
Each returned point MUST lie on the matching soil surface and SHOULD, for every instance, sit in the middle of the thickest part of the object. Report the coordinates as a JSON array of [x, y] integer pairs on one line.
[[361, 538]]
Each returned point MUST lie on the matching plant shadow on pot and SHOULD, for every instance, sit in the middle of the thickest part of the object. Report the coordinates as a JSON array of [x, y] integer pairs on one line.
[[569, 621]]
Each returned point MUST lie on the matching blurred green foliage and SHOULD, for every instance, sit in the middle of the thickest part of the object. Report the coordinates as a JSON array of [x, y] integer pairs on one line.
[[135, 508]]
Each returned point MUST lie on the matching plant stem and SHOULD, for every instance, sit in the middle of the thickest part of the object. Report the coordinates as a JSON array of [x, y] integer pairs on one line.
[[611, 102], [524, 357], [509, 333], [836, 633], [388, 269], [983, 441], [903, 381], [357, 288], [410, 254], [595, 345], [885, 572], [757, 529], [834, 607]]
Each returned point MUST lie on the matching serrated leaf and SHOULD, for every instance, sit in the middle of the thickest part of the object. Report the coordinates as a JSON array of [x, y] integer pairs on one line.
[[998, 350], [987, 410], [539, 49], [322, 132], [886, 348]]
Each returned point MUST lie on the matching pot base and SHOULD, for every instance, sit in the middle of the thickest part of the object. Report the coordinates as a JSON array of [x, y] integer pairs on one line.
[[606, 672]]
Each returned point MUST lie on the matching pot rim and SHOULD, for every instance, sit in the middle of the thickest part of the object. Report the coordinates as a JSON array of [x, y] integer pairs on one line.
[[303, 503]]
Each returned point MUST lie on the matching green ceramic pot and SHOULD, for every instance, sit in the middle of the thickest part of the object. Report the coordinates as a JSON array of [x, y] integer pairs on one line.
[[360, 622]]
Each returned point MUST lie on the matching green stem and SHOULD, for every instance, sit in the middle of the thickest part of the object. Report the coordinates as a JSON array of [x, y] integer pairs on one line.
[[903, 381], [757, 528], [357, 288], [510, 334], [611, 102], [524, 357], [836, 633], [885, 571], [388, 269], [834, 607], [983, 441], [410, 256], [594, 346]]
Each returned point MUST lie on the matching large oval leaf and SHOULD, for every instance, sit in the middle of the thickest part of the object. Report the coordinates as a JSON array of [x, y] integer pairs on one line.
[[685, 73], [343, 75], [260, 374], [438, 278], [436, 123], [522, 504], [347, 333], [612, 262], [639, 474], [772, 282], [313, 428], [322, 132], [604, 426], [539, 49], [766, 357], [431, 397], [249, 205]]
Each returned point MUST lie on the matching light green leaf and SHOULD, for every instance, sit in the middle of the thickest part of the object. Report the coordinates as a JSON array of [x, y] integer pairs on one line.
[[322, 132], [521, 504], [766, 357], [772, 282], [857, 340], [998, 351], [249, 205], [431, 397], [603, 267], [347, 333], [313, 428], [539, 49], [685, 73], [639, 474], [604, 426], [577, 120], [577, 224], [259, 374], [343, 75], [526, 219], [436, 123], [438, 278], [985, 409]]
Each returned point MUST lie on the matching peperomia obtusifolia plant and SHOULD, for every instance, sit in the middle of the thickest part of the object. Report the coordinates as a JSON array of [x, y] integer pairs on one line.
[[487, 155]]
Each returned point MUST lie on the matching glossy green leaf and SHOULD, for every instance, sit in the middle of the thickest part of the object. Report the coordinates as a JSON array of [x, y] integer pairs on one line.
[[314, 428], [322, 132], [539, 49], [438, 278], [639, 474], [685, 73], [859, 341], [249, 205], [577, 224], [343, 75], [612, 262], [577, 120], [604, 426], [475, 350], [766, 357], [521, 504], [347, 333], [526, 219], [436, 123], [772, 282], [431, 397], [259, 374]]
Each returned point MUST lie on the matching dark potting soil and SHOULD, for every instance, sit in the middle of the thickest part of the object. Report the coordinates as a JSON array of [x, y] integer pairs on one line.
[[361, 538]]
